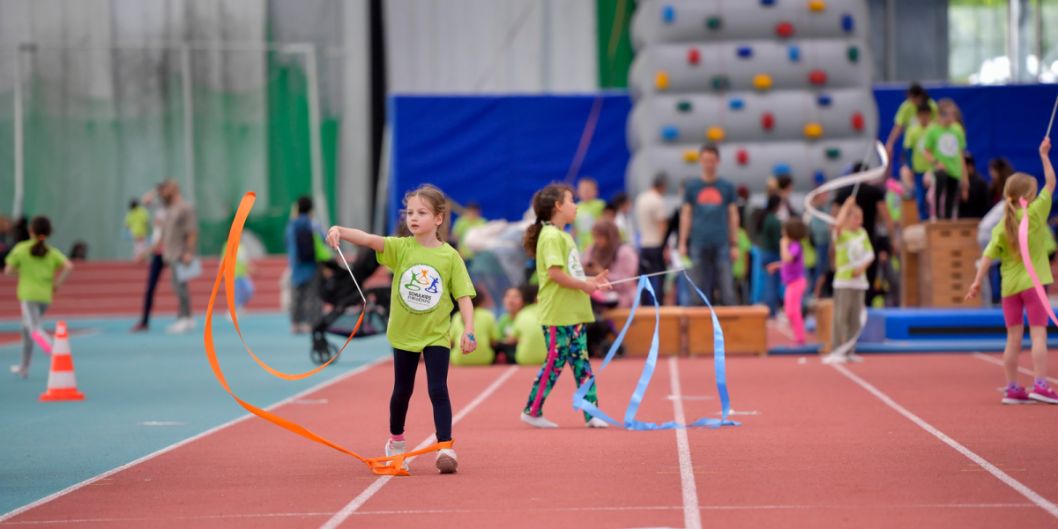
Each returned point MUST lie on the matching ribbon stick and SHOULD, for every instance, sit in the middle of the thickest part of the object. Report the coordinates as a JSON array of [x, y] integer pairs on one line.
[[393, 465], [636, 278], [1048, 135]]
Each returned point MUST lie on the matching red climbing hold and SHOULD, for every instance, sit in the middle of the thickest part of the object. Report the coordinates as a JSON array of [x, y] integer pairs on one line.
[[742, 157], [857, 121], [784, 29], [767, 120], [817, 77], [694, 56]]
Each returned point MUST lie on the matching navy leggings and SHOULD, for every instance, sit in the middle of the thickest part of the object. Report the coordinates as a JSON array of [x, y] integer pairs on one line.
[[405, 363]]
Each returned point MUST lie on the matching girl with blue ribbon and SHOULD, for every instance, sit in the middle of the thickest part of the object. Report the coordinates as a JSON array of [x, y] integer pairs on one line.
[[1020, 258]]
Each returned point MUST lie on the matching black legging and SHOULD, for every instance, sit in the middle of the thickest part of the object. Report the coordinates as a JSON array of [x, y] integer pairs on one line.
[[155, 273], [945, 189], [405, 363]]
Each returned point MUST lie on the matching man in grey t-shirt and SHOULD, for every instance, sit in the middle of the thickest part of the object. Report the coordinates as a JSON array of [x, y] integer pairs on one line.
[[709, 228], [179, 237]]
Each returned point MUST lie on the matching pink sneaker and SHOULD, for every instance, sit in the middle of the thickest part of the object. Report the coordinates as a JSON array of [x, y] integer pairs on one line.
[[1044, 394], [1016, 395]]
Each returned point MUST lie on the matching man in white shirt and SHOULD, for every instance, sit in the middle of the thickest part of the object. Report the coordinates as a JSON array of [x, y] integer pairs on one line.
[[652, 220]]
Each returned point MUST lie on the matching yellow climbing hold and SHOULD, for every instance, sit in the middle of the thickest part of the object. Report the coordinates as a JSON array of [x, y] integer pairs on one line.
[[817, 5], [813, 130], [690, 155], [762, 81], [661, 80], [715, 134]]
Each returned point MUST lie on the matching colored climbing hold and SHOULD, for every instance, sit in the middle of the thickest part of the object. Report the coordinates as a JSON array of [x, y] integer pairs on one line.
[[780, 169], [794, 53], [847, 23], [742, 157], [721, 82], [767, 3], [857, 121], [715, 134], [784, 29], [694, 56], [817, 5], [670, 132], [736, 103], [813, 130], [714, 23], [817, 77], [819, 177], [762, 81], [661, 80], [824, 100], [690, 155], [684, 106], [668, 14], [833, 153], [854, 54], [744, 52], [767, 121]]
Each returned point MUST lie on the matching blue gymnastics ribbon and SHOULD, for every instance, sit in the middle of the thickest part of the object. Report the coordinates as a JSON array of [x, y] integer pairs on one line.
[[630, 422]]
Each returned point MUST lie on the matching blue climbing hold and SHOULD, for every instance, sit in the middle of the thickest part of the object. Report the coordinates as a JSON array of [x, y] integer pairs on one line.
[[668, 14], [824, 100], [767, 3], [820, 177], [847, 23], [736, 103], [670, 132], [780, 169], [794, 53], [745, 52]]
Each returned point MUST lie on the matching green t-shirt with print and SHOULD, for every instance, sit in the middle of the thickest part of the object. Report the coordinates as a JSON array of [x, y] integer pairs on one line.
[[916, 133], [485, 331], [947, 144], [425, 283], [588, 211], [560, 305], [532, 347], [1015, 277], [505, 326], [36, 275], [852, 250], [908, 113]]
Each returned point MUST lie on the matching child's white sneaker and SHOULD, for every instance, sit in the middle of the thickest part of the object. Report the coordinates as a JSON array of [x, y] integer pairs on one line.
[[19, 372], [596, 422], [394, 448], [446, 461], [537, 422], [835, 359]]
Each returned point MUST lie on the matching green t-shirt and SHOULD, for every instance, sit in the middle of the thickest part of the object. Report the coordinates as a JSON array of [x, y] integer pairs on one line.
[[916, 133], [906, 115], [36, 275], [532, 348], [138, 221], [425, 281], [485, 331], [560, 305], [853, 250], [738, 269], [588, 212], [947, 145], [1015, 277], [505, 326], [460, 229]]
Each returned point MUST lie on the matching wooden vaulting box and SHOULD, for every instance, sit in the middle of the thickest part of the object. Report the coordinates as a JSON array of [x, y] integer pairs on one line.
[[637, 341], [689, 330]]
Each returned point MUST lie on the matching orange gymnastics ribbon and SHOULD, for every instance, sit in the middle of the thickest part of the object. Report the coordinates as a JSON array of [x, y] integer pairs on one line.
[[392, 466]]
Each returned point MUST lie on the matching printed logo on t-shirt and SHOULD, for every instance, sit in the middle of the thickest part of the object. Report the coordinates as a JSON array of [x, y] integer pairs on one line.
[[856, 250], [421, 288], [710, 196], [948, 144], [576, 270]]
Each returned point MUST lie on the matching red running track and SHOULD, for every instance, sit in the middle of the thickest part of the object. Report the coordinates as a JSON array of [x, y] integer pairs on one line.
[[899, 441]]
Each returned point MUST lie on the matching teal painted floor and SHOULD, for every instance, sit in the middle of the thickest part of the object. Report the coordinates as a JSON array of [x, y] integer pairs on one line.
[[133, 379]]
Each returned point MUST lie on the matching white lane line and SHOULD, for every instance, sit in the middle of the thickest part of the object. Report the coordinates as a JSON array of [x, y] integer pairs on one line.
[[377, 485], [1023, 370], [189, 440], [692, 516], [1007, 479]]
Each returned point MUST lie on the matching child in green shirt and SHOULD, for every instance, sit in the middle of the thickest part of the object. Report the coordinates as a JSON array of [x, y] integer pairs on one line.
[[138, 222], [427, 275], [853, 253], [1019, 295], [35, 263], [564, 303], [589, 209], [485, 325], [945, 142]]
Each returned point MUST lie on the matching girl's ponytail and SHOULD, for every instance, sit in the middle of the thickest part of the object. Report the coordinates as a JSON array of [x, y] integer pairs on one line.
[[1019, 186], [1010, 224], [39, 229], [544, 202]]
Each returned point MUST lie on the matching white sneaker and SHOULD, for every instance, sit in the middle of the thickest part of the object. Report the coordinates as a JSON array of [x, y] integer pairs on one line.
[[446, 461], [19, 372], [537, 422], [396, 448], [189, 323], [596, 422], [177, 327], [835, 359]]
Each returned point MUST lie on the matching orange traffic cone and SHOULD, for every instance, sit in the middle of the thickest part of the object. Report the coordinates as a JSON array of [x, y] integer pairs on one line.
[[62, 384]]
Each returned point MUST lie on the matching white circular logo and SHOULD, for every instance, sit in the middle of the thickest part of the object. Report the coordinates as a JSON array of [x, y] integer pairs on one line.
[[576, 270], [857, 250], [421, 288], [948, 145]]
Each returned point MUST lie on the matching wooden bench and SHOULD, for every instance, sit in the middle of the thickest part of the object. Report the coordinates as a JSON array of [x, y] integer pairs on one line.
[[689, 330]]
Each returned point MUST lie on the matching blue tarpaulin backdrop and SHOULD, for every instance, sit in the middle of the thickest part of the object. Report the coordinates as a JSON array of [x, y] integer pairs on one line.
[[497, 150]]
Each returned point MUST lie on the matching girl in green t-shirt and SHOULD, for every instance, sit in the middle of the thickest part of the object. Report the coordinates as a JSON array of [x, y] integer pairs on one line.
[[427, 275], [564, 303], [1019, 295], [35, 263]]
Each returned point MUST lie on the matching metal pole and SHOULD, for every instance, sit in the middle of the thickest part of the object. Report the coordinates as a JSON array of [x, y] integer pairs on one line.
[[316, 154], [189, 121], [890, 40], [1014, 39], [16, 207]]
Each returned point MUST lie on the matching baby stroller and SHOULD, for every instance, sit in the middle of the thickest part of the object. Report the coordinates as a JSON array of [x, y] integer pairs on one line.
[[338, 291]]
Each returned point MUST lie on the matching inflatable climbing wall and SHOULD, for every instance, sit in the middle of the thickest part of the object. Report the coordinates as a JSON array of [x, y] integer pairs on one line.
[[778, 85]]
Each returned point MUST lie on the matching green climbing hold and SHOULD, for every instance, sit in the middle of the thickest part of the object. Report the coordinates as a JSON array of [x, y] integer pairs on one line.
[[854, 54], [833, 153], [684, 106], [721, 82], [714, 23]]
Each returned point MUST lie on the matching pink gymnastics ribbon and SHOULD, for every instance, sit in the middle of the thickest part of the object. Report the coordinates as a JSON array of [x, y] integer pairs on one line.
[[1023, 246]]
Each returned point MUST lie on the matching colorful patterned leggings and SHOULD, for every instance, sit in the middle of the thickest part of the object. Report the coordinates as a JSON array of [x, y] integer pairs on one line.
[[567, 344]]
